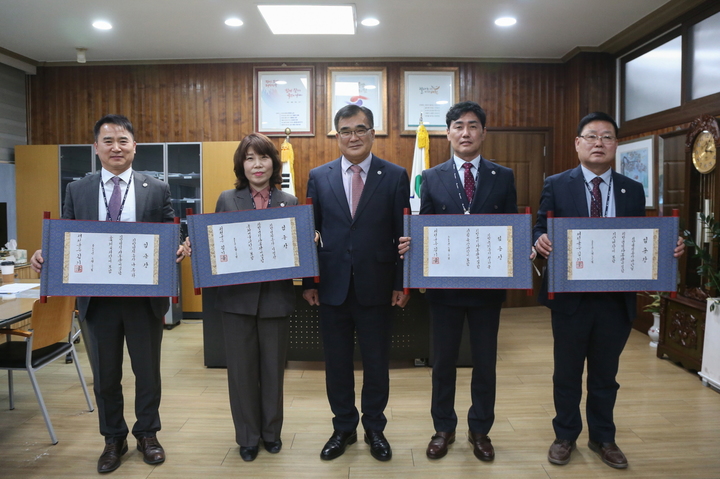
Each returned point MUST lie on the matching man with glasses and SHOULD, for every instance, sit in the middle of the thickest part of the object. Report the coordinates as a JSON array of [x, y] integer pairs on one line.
[[592, 327], [358, 201]]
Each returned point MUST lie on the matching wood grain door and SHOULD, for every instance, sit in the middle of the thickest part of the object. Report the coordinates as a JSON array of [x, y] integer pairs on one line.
[[525, 152]]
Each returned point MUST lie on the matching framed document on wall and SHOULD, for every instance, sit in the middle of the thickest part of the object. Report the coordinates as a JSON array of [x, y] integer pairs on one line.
[[636, 160], [362, 86], [284, 98], [428, 93]]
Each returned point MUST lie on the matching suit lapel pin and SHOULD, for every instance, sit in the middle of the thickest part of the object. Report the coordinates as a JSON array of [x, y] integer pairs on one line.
[[622, 190], [379, 172], [282, 204], [144, 185], [493, 172]]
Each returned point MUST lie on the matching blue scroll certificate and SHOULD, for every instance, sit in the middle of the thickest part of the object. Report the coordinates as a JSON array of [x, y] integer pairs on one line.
[[468, 251], [612, 254], [251, 246], [109, 258]]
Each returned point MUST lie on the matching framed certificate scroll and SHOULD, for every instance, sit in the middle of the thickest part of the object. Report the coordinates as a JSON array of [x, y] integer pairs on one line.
[[468, 251], [109, 258], [251, 246], [612, 254]]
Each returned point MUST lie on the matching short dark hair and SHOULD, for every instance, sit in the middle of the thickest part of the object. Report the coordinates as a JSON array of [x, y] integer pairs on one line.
[[459, 109], [351, 110], [596, 116], [118, 120], [261, 145]]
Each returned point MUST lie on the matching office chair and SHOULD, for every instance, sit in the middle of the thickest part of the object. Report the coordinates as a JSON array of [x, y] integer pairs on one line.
[[49, 339]]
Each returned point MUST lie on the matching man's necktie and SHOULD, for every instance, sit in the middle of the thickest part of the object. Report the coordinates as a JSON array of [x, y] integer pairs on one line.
[[357, 186], [469, 183], [596, 198], [114, 204]]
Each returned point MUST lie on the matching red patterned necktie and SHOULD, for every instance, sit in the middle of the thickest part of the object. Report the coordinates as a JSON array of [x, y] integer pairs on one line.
[[114, 204], [357, 186], [469, 182], [596, 198]]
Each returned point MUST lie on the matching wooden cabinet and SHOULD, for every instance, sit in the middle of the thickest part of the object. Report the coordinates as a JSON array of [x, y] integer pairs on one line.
[[682, 331]]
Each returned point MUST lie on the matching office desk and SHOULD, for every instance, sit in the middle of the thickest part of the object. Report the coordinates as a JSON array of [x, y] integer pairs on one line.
[[15, 310]]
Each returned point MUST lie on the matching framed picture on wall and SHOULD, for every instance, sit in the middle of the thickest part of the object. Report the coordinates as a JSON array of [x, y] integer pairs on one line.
[[362, 86], [636, 159], [428, 94], [284, 98]]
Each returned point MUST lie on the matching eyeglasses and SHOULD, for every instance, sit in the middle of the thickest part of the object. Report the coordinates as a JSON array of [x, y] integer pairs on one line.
[[606, 139], [360, 132]]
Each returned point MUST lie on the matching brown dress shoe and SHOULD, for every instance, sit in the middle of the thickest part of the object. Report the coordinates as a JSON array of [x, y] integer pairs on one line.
[[610, 454], [560, 450], [482, 447], [439, 443], [110, 457], [153, 452]]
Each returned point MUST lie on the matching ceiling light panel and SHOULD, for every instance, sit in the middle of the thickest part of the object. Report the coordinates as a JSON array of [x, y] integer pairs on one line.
[[309, 19]]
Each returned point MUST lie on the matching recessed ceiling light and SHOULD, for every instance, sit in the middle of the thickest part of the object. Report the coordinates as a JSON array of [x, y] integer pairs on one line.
[[505, 21], [309, 19], [371, 22], [233, 22], [102, 25]]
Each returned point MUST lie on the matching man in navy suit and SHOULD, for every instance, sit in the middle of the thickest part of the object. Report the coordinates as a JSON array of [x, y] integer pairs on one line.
[[469, 184], [358, 201], [112, 321], [592, 327]]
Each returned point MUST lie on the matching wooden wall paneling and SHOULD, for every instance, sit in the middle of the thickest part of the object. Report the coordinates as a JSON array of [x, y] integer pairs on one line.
[[37, 186]]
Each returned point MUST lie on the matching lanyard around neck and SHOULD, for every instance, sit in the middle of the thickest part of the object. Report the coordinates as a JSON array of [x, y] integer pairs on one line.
[[461, 190], [607, 200], [252, 197], [122, 205]]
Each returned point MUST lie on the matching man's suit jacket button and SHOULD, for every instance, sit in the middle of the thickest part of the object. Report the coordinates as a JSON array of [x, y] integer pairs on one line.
[[496, 207], [443, 207], [352, 229]]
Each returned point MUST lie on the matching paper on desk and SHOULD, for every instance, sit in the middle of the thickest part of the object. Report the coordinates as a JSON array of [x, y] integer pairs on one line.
[[17, 287]]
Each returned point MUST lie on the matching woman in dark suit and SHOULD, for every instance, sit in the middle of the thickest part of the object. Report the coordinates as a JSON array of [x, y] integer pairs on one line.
[[255, 316]]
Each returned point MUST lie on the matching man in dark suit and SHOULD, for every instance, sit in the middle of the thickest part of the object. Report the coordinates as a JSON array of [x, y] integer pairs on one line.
[[592, 327], [469, 184], [117, 193], [358, 201]]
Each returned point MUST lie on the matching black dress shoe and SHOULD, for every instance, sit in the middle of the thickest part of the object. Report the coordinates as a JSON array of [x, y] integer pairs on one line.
[[379, 446], [110, 457], [335, 447], [482, 447], [273, 447], [248, 453], [152, 451]]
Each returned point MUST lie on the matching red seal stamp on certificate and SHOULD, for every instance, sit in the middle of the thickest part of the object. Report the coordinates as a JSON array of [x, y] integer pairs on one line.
[[78, 268], [435, 260], [223, 258], [579, 265]]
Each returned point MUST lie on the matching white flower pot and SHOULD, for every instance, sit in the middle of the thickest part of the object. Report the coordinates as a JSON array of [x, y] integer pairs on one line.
[[654, 331], [710, 369]]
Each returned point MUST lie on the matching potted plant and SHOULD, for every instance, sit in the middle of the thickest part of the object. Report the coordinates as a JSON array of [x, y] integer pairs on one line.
[[654, 308], [710, 274], [708, 268]]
